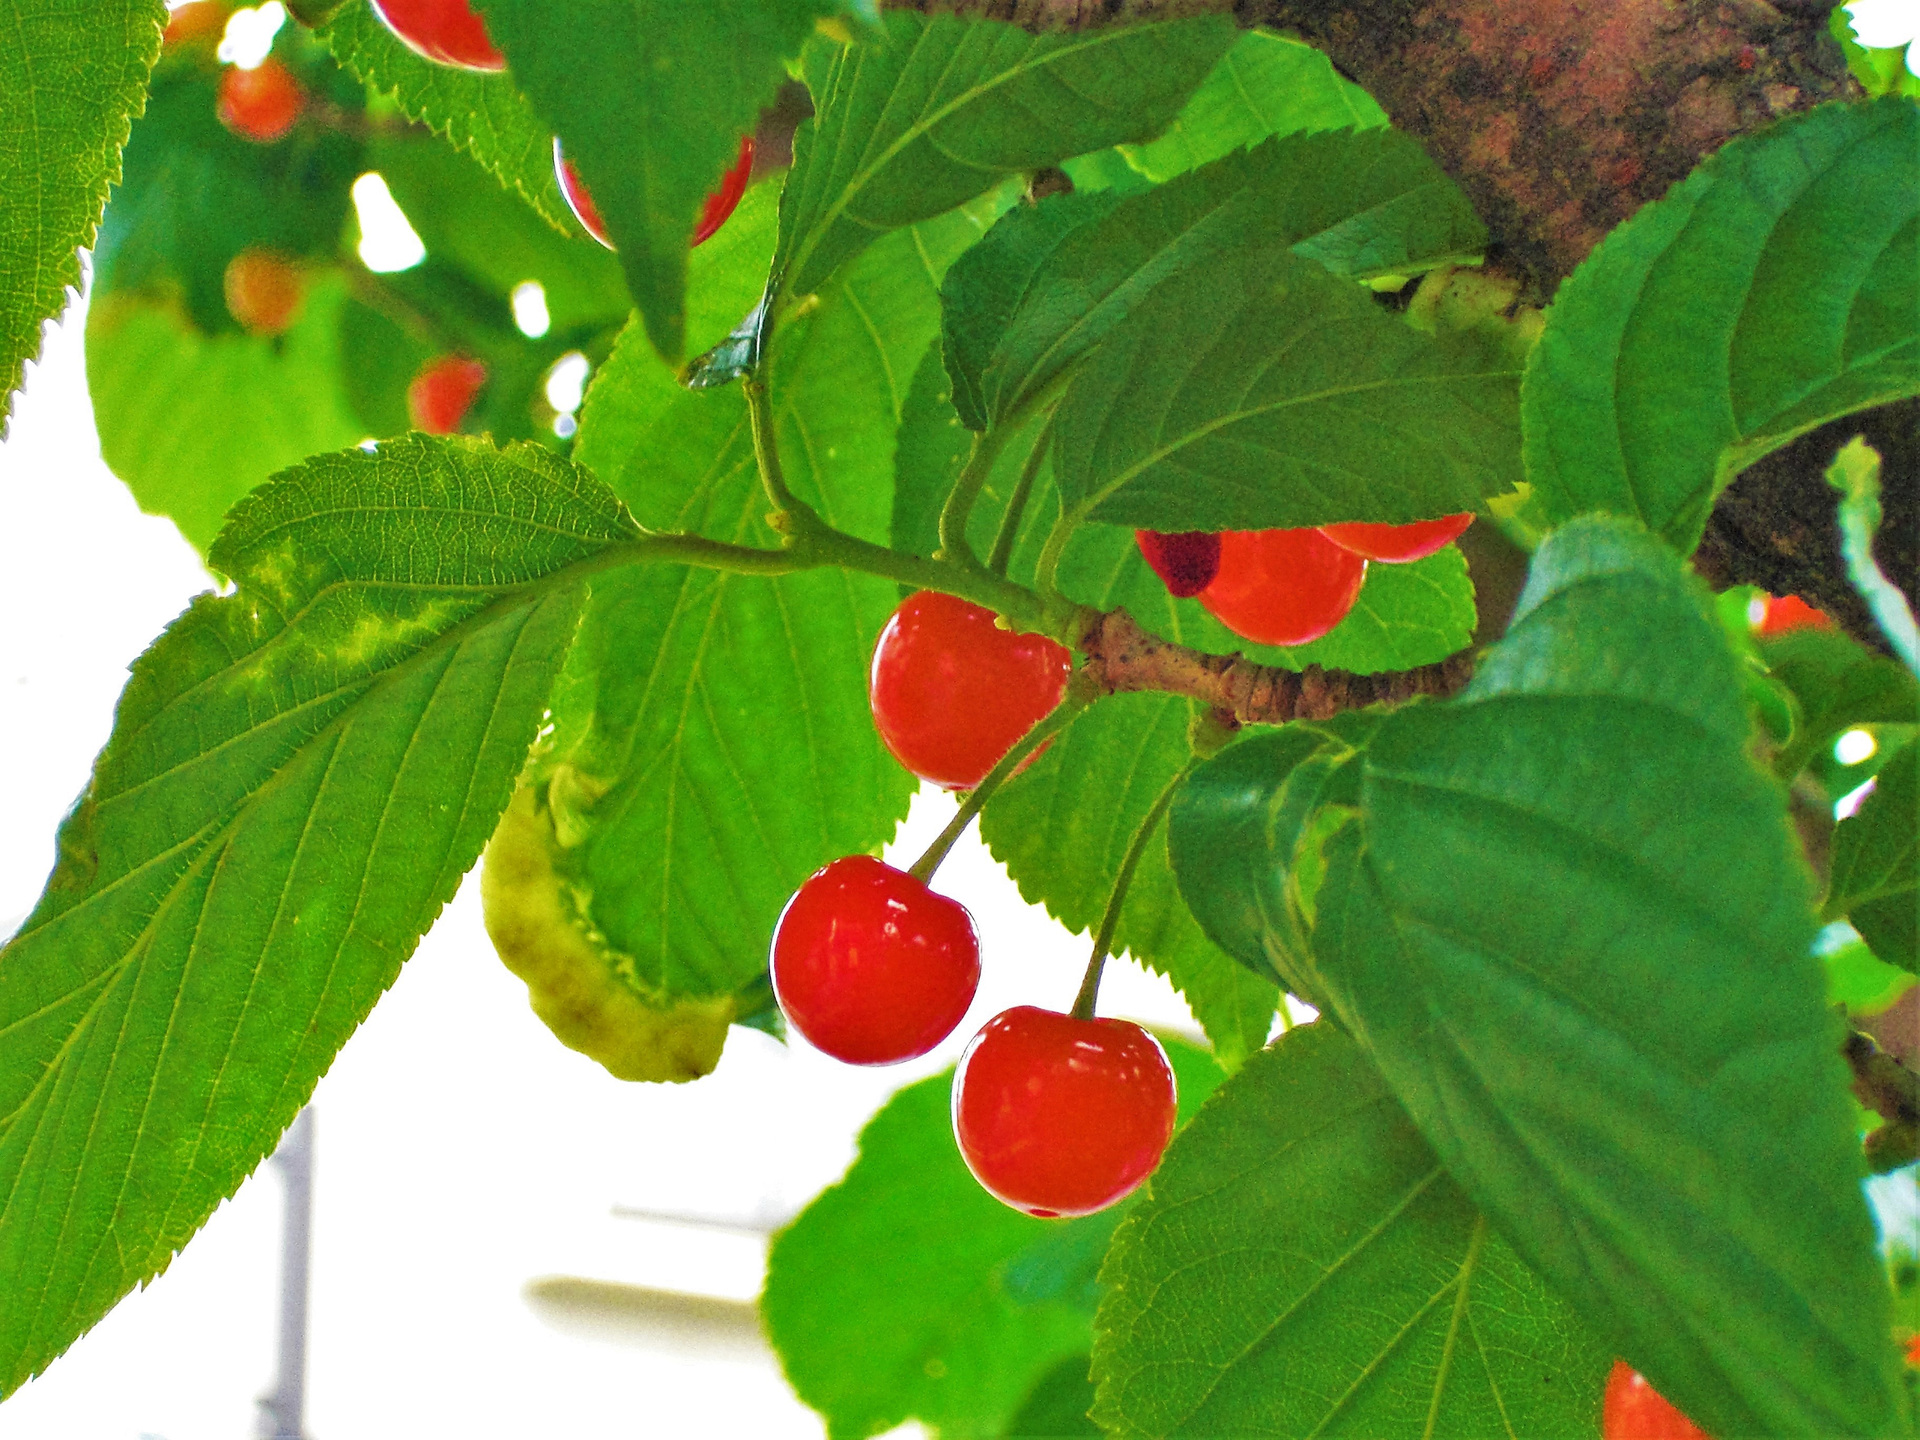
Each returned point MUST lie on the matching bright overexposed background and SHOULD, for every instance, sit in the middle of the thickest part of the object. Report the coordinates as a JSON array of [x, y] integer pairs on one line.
[[489, 1253]]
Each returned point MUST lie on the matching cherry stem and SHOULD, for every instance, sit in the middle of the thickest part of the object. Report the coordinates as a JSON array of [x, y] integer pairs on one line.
[[1050, 553], [1009, 530], [966, 490], [1110, 920], [792, 517], [1082, 691]]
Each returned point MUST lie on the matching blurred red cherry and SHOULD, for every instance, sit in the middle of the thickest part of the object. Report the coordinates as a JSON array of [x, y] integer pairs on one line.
[[1634, 1410], [260, 104], [264, 291], [1790, 612], [443, 391]]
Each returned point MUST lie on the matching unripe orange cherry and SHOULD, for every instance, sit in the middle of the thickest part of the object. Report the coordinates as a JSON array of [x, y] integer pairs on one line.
[[713, 213], [446, 32], [260, 104], [264, 291], [1397, 544], [1283, 587], [1634, 1410], [440, 395], [195, 20]]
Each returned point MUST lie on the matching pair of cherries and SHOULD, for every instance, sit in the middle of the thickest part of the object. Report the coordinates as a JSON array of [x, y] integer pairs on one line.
[[1055, 1115], [447, 32], [1286, 587]]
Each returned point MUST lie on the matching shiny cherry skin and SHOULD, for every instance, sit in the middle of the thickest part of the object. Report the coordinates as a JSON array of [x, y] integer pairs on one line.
[[1790, 612], [713, 212], [443, 391], [1186, 561], [264, 291], [1283, 587], [446, 32], [260, 104], [1634, 1410], [1058, 1116], [1397, 544], [870, 965], [952, 691]]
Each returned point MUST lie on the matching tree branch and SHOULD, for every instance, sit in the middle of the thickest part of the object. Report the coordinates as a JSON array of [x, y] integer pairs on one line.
[[1131, 659], [1890, 1090]]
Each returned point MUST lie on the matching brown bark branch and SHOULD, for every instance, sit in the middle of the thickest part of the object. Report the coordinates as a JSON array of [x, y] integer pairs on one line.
[[1891, 1091], [1132, 659]]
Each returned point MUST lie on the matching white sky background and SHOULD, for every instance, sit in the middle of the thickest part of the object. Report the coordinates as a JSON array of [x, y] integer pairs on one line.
[[461, 1151]]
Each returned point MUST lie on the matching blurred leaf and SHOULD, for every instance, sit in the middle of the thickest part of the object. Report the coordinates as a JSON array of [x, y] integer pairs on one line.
[[1265, 85], [1875, 874], [721, 721], [1861, 983], [651, 98], [1567, 920], [484, 115], [1261, 392], [73, 74], [192, 422], [1062, 827], [907, 1292], [1774, 289], [1838, 684], [298, 775], [1056, 1408], [1302, 1265], [946, 108], [1052, 280]]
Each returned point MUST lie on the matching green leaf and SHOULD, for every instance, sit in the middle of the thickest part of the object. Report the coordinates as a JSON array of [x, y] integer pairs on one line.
[[1861, 983], [1772, 290], [721, 722], [1303, 1265], [1052, 280], [484, 115], [1406, 615], [1838, 684], [194, 195], [73, 74], [192, 422], [1262, 392], [1568, 921], [651, 98], [1062, 827], [945, 109], [298, 775], [906, 1291], [1267, 84], [1875, 868], [1056, 1408], [1881, 70]]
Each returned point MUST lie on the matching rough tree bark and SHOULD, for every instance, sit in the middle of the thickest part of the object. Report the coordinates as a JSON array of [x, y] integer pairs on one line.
[[1559, 119]]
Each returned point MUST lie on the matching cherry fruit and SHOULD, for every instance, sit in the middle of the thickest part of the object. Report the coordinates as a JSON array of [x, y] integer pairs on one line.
[[440, 395], [1634, 1410], [872, 966], [1186, 562], [264, 291], [1397, 544], [446, 32], [1790, 612], [1061, 1116], [195, 20], [260, 104], [713, 213], [952, 691], [1283, 587]]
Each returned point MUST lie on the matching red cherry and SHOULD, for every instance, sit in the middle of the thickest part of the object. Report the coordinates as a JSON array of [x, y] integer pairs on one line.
[[952, 692], [872, 966], [264, 291], [1186, 562], [444, 31], [713, 213], [1059, 1116], [440, 394], [1790, 612], [1634, 1410], [1913, 1351], [260, 104], [1283, 587], [1396, 544]]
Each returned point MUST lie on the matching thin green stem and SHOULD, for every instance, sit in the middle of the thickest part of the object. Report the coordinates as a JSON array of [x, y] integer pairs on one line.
[[1055, 547], [792, 517], [966, 490], [1082, 691], [1110, 920], [1009, 530]]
